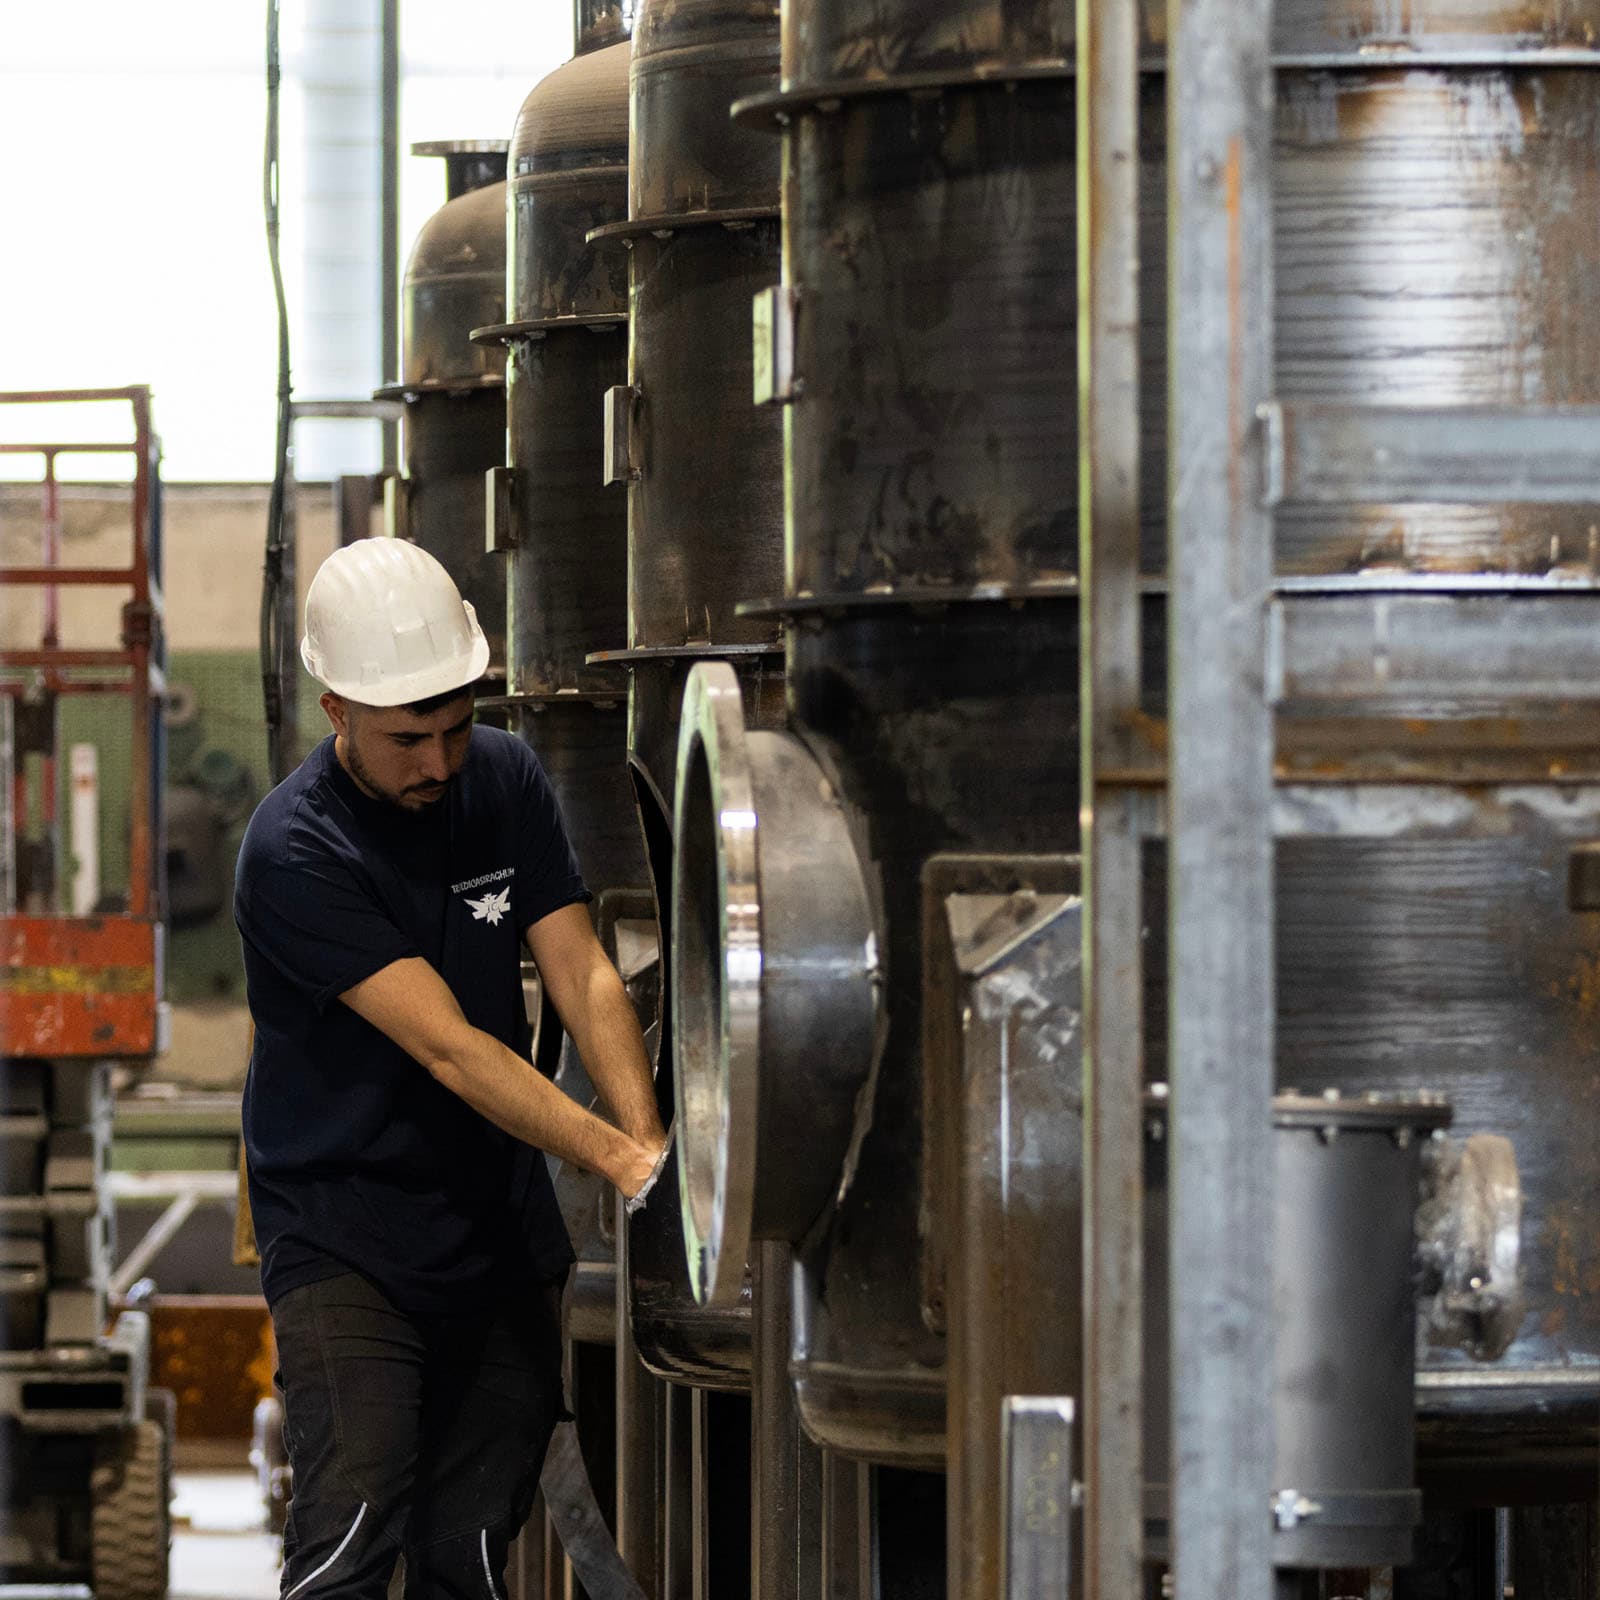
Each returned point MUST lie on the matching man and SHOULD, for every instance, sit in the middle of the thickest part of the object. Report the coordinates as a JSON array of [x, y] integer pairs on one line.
[[411, 1249]]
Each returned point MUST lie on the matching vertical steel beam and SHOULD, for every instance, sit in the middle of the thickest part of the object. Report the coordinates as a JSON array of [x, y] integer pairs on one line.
[[680, 1505], [641, 1442], [1219, 122], [849, 1559], [786, 1467], [1108, 543], [389, 221], [145, 855]]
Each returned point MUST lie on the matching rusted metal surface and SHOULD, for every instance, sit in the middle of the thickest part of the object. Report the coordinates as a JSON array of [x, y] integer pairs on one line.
[[837, 42], [1491, 176], [938, 736], [965, 285], [786, 1467], [72, 986], [691, 60], [1110, 1395], [566, 563], [1455, 455], [568, 174], [1004, 981], [828, 41], [456, 281], [705, 514]]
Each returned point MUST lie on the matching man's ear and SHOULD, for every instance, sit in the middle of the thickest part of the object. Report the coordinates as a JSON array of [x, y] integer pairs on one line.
[[338, 712]]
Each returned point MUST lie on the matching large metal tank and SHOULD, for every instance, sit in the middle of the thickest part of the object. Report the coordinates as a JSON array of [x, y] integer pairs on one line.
[[703, 471], [932, 641], [563, 542], [453, 389], [563, 538], [1434, 199]]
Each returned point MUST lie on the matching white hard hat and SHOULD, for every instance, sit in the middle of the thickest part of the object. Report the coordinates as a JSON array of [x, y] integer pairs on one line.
[[385, 625]]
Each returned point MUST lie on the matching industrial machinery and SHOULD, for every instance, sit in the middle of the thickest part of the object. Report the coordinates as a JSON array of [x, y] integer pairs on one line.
[[699, 470], [85, 1445], [562, 541], [1182, 683], [452, 389]]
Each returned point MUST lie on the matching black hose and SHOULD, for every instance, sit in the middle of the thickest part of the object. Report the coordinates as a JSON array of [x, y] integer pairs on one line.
[[276, 615]]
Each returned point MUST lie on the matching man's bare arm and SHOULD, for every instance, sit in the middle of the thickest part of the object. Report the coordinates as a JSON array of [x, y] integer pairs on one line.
[[410, 1002], [594, 1008]]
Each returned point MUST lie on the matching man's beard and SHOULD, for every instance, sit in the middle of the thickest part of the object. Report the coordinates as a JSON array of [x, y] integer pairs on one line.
[[407, 801]]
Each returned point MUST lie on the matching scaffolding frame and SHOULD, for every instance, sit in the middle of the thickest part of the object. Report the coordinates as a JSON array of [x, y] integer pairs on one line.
[[1219, 780]]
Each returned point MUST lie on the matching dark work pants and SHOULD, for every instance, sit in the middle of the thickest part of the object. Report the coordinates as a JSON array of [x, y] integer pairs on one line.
[[417, 1434]]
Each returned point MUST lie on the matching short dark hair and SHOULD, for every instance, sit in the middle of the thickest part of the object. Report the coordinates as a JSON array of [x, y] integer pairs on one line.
[[436, 702]]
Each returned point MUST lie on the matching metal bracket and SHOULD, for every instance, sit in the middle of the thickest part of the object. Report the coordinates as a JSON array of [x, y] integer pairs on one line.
[[772, 330], [1290, 1508], [1462, 455], [500, 528], [1036, 1451], [1469, 1246], [618, 464]]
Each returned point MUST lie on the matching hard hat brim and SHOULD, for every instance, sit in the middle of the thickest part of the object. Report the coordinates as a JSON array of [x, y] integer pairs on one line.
[[440, 678]]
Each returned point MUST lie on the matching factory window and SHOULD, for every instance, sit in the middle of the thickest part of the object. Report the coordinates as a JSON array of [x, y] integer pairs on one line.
[[134, 246]]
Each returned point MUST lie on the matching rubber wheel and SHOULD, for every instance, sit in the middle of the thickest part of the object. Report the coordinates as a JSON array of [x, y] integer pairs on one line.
[[131, 1521]]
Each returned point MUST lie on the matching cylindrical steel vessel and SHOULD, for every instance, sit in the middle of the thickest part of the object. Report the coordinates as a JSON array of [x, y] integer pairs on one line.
[[564, 536], [453, 389], [930, 542], [563, 539], [1346, 1185], [704, 470]]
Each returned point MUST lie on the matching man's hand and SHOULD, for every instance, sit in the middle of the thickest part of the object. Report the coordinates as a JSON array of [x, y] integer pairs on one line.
[[644, 1172], [411, 1003]]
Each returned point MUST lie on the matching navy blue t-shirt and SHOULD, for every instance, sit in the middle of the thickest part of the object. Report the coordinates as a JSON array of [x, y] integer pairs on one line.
[[358, 1158]]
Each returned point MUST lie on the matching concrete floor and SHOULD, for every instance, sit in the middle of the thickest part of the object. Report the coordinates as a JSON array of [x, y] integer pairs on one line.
[[220, 1547]]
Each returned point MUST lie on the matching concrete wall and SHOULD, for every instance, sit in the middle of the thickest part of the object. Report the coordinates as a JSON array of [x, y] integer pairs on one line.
[[214, 540]]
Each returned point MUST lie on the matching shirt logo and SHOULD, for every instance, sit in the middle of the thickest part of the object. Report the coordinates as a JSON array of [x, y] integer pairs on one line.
[[491, 908]]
